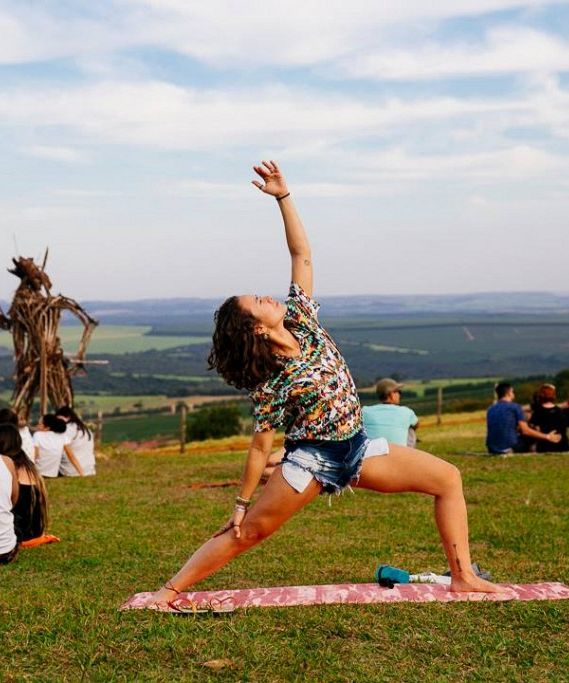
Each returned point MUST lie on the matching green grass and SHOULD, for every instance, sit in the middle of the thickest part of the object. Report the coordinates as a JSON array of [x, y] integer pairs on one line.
[[117, 339], [141, 428], [131, 526]]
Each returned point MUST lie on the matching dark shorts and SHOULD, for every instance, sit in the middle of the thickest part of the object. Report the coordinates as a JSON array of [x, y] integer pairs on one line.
[[334, 464]]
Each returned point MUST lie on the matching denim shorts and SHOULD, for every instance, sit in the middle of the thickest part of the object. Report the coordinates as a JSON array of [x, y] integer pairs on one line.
[[334, 464]]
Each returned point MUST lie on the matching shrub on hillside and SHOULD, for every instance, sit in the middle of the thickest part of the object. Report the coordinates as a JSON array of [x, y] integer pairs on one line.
[[214, 422], [561, 381], [465, 405]]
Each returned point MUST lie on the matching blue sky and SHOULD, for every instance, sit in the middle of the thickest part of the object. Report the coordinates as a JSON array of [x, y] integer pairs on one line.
[[426, 144]]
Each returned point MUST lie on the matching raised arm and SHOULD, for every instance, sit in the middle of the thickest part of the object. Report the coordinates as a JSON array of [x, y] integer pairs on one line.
[[274, 184]]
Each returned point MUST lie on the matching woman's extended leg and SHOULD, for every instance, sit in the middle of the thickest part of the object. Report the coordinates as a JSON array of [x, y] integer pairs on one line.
[[276, 504], [407, 469]]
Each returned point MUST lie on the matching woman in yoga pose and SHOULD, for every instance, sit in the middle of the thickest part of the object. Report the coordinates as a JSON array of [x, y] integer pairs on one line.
[[299, 381]]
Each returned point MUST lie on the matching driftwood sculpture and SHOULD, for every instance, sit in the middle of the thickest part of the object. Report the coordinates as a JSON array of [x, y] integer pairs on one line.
[[33, 319]]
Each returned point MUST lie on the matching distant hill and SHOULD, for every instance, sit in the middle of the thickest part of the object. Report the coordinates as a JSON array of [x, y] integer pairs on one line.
[[177, 311]]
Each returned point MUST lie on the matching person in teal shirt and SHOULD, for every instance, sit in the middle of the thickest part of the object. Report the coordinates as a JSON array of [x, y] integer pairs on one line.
[[388, 419]]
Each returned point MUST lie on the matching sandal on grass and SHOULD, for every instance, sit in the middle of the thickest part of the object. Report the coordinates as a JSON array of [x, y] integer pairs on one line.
[[214, 606]]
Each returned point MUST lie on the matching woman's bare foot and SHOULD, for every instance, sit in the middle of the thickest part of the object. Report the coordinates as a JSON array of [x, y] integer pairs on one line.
[[474, 584], [161, 598]]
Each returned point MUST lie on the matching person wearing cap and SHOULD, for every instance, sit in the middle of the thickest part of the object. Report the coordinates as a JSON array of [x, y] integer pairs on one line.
[[388, 419]]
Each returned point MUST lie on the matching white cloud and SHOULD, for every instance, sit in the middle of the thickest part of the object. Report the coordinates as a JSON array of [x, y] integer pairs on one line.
[[222, 32], [506, 50], [239, 191], [157, 114], [78, 193], [49, 214], [297, 32], [55, 153], [374, 174], [551, 104], [31, 33], [517, 162]]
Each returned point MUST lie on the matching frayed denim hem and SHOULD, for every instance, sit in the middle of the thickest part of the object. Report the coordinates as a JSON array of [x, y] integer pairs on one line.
[[328, 487]]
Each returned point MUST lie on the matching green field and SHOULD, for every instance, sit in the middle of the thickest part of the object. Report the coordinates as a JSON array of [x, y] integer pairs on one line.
[[141, 428], [132, 525], [117, 339], [420, 386], [90, 405]]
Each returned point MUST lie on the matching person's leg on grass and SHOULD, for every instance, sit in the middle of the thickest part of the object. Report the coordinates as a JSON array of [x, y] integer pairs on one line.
[[277, 503], [409, 470]]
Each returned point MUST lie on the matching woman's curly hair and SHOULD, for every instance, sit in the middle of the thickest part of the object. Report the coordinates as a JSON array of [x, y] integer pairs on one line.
[[244, 359]]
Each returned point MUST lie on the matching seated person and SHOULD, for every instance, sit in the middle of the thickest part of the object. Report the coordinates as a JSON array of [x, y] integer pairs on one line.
[[507, 428], [50, 442], [30, 511], [11, 417], [8, 498], [394, 422], [81, 442], [547, 417]]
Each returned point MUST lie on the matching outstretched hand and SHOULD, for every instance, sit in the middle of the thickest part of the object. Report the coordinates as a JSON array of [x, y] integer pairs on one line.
[[274, 182], [233, 523]]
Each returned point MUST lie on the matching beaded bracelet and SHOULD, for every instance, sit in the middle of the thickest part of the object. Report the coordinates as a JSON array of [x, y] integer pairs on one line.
[[243, 501]]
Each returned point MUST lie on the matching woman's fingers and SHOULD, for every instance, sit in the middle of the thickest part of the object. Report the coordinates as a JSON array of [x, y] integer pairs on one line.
[[275, 166], [263, 172], [269, 166], [256, 183], [223, 529]]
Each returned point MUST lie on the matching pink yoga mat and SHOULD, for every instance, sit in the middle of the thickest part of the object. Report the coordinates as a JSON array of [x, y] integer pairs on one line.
[[356, 593]]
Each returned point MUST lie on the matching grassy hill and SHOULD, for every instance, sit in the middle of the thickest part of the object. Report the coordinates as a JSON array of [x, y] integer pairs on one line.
[[131, 526]]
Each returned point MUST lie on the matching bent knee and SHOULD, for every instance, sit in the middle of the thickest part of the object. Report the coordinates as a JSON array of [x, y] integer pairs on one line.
[[452, 478], [255, 531]]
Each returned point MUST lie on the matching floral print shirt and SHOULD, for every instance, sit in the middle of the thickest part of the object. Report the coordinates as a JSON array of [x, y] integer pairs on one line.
[[314, 396]]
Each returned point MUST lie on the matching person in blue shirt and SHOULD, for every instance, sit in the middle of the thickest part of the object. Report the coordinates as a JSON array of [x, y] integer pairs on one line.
[[388, 419], [507, 427]]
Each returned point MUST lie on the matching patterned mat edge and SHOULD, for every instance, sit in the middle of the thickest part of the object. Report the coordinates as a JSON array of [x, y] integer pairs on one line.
[[294, 596]]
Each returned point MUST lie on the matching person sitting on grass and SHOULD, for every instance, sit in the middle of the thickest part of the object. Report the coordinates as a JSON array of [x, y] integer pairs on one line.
[[548, 417], [8, 498], [507, 428], [80, 441], [299, 381], [11, 417], [389, 419], [50, 442], [30, 511]]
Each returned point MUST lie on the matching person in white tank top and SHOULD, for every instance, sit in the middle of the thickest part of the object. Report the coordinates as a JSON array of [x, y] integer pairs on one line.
[[9, 416], [81, 442], [27, 441], [50, 442], [8, 498]]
